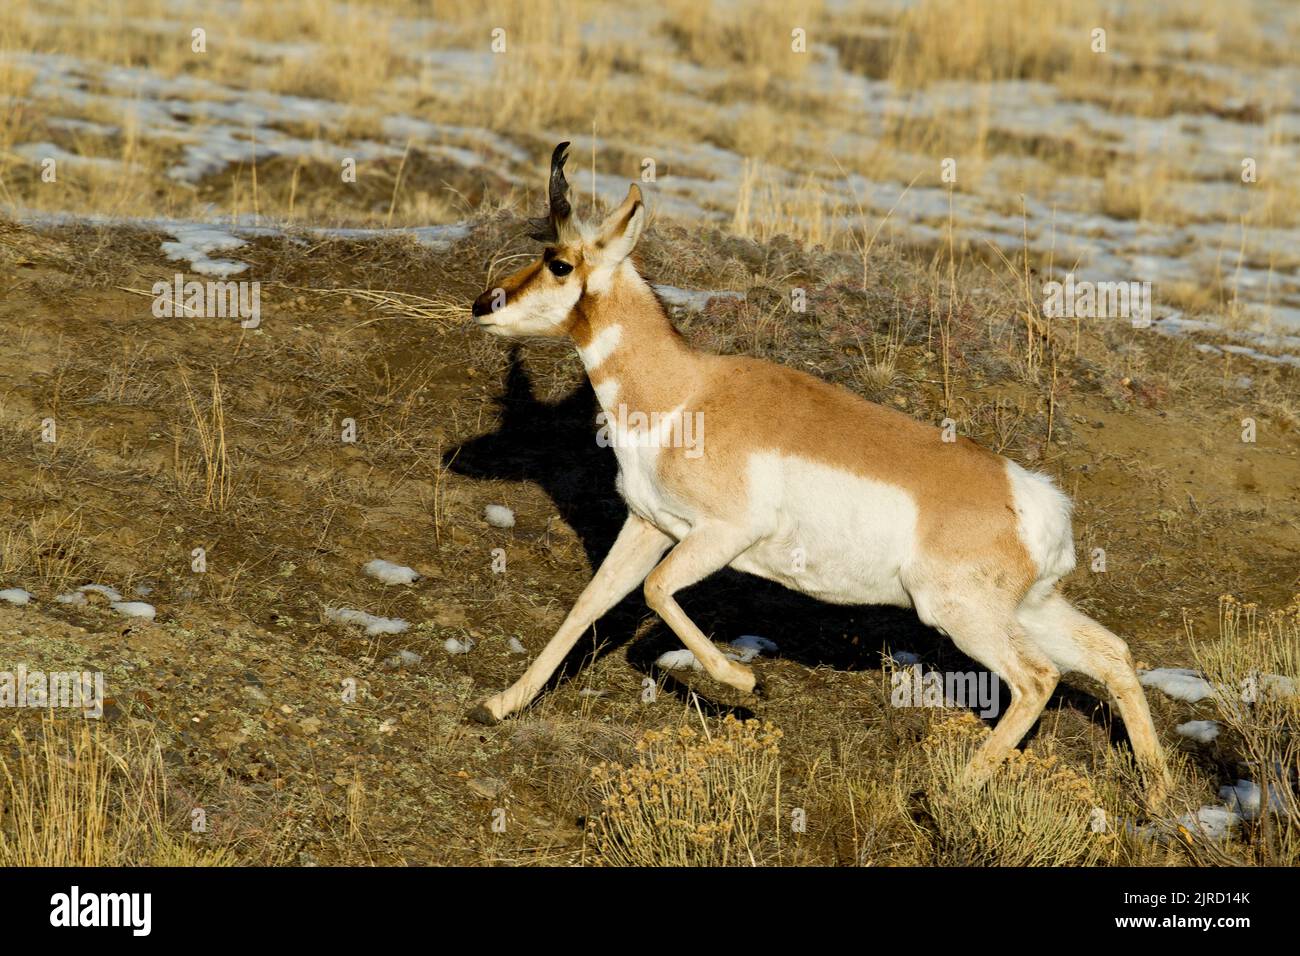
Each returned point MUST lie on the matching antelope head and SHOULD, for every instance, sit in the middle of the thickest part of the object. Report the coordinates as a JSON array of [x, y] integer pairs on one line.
[[544, 297]]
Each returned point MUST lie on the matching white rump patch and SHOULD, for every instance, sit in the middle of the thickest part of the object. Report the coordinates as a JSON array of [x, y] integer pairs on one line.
[[1043, 513]]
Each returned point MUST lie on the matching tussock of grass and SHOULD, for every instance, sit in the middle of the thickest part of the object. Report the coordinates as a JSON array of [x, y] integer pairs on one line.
[[210, 428], [1032, 812], [49, 548], [1254, 662], [691, 798], [72, 795]]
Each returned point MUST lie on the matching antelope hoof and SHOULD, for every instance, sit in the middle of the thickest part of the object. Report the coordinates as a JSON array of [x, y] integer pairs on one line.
[[1157, 796], [760, 689], [481, 715], [743, 679]]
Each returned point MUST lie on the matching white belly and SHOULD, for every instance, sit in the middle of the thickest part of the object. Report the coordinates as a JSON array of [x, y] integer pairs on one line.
[[829, 534], [836, 536]]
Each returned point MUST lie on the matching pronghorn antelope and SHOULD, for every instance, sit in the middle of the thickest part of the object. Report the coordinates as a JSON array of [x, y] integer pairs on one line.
[[876, 507]]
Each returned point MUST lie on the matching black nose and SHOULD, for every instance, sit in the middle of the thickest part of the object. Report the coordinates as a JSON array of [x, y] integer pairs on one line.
[[483, 304]]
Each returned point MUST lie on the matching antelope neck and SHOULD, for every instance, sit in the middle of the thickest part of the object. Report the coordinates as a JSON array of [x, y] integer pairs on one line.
[[632, 353]]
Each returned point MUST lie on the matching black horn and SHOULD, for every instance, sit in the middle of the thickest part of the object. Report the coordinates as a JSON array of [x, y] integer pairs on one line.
[[547, 229]]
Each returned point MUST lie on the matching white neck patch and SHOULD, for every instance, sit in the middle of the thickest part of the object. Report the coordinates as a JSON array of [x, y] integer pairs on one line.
[[602, 345], [606, 392]]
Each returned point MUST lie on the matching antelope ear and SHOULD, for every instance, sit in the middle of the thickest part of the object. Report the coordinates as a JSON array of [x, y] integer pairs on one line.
[[620, 231]]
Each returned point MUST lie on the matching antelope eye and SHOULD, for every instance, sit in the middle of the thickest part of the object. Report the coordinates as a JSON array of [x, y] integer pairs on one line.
[[559, 268]]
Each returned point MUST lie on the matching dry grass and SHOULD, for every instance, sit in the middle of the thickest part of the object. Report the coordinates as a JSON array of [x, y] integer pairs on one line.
[[1254, 662], [765, 105], [692, 798], [51, 548], [77, 796], [216, 477], [1034, 811]]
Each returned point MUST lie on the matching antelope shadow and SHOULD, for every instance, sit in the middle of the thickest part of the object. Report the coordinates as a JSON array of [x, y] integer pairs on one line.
[[553, 445]]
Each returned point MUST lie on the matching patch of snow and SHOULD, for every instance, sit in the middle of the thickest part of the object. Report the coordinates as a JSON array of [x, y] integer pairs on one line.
[[135, 609], [453, 646], [193, 243], [1180, 683], [390, 573], [73, 597], [1202, 731], [1244, 797], [516, 647], [1213, 822], [112, 594], [16, 596], [904, 658], [679, 660], [88, 127], [39, 152], [751, 646], [403, 658], [499, 516], [692, 300], [1277, 685], [373, 624]]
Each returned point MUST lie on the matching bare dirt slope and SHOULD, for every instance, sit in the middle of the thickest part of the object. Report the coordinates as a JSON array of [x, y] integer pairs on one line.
[[242, 678]]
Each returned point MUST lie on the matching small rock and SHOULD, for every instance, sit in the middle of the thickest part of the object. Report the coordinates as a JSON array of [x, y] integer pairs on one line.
[[488, 788]]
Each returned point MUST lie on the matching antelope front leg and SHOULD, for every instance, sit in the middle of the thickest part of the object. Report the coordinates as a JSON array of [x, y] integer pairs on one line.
[[708, 548], [637, 549]]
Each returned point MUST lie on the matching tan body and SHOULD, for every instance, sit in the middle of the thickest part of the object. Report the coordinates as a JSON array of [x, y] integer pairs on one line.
[[802, 482]]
